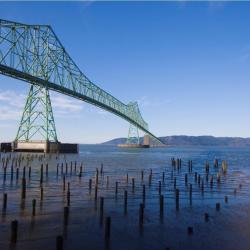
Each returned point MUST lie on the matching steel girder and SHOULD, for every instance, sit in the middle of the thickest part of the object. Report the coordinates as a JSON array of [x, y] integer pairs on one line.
[[33, 53]]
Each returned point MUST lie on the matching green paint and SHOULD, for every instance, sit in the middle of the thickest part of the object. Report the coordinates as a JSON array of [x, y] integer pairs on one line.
[[33, 53]]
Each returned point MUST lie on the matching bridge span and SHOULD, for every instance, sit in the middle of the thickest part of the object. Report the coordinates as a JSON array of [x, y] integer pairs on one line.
[[34, 54]]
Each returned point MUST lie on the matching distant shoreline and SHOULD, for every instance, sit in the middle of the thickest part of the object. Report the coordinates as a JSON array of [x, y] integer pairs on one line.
[[183, 140]]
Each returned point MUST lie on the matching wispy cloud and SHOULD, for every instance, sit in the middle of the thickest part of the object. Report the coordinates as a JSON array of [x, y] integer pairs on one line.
[[64, 104], [12, 104]]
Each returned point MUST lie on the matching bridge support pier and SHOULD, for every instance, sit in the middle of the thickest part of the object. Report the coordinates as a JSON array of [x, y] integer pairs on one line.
[[133, 140]]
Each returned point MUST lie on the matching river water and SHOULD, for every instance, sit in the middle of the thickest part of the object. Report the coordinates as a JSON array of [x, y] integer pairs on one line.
[[226, 228]]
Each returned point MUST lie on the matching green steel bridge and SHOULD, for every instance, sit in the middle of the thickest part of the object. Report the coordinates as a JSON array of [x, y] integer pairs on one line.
[[34, 54]]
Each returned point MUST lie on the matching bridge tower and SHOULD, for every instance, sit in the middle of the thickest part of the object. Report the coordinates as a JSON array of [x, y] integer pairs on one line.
[[37, 122], [133, 135], [37, 130]]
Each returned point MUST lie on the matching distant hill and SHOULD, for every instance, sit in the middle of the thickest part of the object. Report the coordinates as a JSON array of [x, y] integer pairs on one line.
[[183, 140]]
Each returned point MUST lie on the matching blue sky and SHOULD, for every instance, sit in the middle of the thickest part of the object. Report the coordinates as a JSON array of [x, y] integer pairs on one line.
[[187, 64]]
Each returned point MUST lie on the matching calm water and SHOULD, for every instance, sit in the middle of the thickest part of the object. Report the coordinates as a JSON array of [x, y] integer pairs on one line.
[[228, 228]]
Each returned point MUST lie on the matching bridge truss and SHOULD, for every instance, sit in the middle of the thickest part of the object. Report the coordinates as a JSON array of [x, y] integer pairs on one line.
[[34, 54]]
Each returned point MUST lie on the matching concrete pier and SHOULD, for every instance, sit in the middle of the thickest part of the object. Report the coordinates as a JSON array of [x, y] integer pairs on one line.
[[146, 144], [40, 146]]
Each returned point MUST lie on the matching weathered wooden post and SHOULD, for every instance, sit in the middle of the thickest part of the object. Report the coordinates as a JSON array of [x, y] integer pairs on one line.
[[125, 201], [33, 207], [107, 227], [96, 190], [177, 194], [133, 185], [190, 193], [143, 193], [29, 172], [90, 184], [23, 188], [218, 206], [68, 195], [206, 216], [190, 230], [101, 209], [186, 179], [159, 188], [41, 174], [116, 188], [66, 215], [64, 182], [161, 204], [141, 214], [97, 176], [59, 242], [41, 193], [226, 199], [14, 229], [5, 201]]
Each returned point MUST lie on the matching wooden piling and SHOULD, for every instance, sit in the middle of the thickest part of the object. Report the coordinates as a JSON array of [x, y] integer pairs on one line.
[[143, 193], [33, 207], [66, 215], [226, 199], [116, 188], [90, 184], [5, 196], [59, 242], [133, 184], [41, 193], [107, 227], [96, 190], [141, 214], [177, 194], [29, 172], [101, 206], [161, 204], [190, 230], [206, 217], [159, 188], [186, 179], [217, 206], [125, 201], [195, 176], [14, 231], [23, 194], [41, 174], [190, 193]]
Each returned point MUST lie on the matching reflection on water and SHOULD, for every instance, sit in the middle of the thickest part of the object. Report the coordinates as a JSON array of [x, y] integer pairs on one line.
[[118, 168]]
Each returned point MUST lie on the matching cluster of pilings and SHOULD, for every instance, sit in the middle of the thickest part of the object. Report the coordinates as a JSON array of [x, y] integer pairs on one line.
[[177, 185]]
